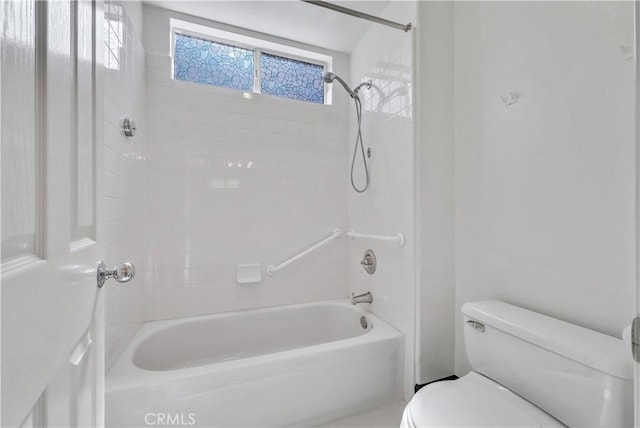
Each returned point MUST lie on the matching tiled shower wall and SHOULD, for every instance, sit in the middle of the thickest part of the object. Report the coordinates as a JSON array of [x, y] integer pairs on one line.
[[385, 57], [232, 180], [124, 95]]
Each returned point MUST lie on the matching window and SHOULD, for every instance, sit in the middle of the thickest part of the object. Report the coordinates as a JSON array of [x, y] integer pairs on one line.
[[220, 58], [286, 77], [203, 61]]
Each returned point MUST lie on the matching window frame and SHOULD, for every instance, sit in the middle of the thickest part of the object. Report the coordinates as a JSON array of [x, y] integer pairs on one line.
[[258, 46]]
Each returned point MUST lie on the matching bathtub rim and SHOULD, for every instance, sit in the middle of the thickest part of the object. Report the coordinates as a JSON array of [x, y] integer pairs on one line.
[[125, 374]]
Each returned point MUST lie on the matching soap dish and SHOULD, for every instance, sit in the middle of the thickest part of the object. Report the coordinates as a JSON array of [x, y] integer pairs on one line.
[[249, 273]]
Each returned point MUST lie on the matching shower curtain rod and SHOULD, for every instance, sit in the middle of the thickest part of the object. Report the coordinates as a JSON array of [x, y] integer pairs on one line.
[[360, 15]]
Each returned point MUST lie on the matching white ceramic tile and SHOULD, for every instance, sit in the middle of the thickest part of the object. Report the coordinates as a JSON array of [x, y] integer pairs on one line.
[[124, 183], [385, 416], [242, 181]]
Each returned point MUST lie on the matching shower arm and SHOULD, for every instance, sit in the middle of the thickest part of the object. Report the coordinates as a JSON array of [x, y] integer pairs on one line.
[[368, 84]]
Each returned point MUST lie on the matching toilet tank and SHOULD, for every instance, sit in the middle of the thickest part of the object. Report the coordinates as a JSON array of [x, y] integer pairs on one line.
[[579, 376]]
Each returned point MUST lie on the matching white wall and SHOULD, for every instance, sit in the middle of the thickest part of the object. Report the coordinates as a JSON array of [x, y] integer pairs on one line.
[[435, 180], [545, 188], [124, 90], [206, 210], [385, 55]]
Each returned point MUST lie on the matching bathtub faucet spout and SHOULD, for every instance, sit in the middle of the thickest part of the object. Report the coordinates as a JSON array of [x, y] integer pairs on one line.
[[362, 298]]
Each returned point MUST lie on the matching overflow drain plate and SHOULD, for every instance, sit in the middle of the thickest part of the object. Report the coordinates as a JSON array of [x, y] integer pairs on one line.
[[363, 322]]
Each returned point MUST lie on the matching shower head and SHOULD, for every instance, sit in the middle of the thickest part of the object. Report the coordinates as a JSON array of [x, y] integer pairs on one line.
[[330, 77]]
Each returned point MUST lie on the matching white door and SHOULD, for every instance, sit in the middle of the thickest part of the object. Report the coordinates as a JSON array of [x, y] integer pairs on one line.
[[52, 364]]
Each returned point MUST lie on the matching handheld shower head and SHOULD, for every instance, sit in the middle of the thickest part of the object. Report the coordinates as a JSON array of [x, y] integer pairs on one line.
[[330, 77]]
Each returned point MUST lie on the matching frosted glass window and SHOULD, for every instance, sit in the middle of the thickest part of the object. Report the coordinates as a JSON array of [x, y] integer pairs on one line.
[[221, 61], [289, 78], [205, 61]]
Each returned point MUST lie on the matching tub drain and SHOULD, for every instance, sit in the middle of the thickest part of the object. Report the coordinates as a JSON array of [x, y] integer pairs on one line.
[[363, 322]]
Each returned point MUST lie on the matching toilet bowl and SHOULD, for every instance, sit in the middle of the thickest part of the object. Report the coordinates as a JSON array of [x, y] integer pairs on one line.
[[529, 370]]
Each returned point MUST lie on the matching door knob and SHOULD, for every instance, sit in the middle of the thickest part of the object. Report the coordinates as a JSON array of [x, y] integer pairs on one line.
[[122, 273]]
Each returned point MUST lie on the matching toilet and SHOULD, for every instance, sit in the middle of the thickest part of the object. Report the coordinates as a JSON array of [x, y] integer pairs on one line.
[[530, 370]]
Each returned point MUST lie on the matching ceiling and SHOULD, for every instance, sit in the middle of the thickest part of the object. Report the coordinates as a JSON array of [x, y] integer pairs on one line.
[[289, 19]]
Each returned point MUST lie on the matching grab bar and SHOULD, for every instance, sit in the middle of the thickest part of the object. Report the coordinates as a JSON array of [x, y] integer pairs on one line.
[[400, 239], [272, 270]]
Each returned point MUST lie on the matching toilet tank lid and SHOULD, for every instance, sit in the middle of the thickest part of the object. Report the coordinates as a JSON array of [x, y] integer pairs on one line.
[[596, 350]]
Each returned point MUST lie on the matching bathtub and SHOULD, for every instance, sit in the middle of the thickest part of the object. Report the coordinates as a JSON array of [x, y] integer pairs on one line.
[[295, 365]]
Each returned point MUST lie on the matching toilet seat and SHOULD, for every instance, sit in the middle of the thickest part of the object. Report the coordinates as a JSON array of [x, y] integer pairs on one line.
[[473, 400]]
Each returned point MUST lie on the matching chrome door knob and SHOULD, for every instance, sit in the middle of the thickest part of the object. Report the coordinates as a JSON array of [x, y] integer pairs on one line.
[[122, 273]]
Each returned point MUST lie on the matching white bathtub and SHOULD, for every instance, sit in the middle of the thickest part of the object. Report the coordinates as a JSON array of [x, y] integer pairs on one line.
[[292, 365]]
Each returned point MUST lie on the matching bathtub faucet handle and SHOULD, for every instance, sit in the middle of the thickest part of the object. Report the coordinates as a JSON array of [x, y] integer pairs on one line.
[[368, 262], [122, 273]]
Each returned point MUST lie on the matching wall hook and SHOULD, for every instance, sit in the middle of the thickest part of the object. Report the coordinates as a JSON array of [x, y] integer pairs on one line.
[[510, 99]]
